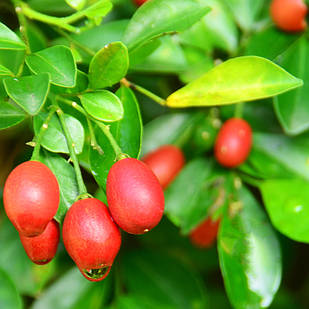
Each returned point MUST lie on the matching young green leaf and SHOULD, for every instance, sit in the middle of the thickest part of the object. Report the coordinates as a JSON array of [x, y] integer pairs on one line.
[[287, 202], [108, 66], [102, 105], [249, 255], [292, 107], [10, 115], [98, 10], [65, 175], [9, 40], [156, 18], [58, 62], [236, 80], [29, 92], [54, 139]]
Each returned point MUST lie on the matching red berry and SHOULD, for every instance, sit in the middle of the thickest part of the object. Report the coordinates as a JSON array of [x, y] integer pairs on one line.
[[42, 249], [31, 197], [91, 238], [139, 2], [233, 143], [205, 234], [289, 15], [166, 162], [134, 196]]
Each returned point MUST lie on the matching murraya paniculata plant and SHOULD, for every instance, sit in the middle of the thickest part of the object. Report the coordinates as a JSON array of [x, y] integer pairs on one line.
[[222, 89]]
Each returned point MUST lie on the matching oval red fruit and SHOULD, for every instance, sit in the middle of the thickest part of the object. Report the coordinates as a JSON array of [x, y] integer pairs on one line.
[[91, 238], [31, 197], [42, 249], [139, 2], [289, 15], [205, 234], [166, 162], [233, 143], [134, 196]]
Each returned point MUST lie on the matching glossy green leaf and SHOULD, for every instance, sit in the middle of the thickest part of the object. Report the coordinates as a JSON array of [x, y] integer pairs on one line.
[[65, 175], [102, 72], [76, 4], [292, 108], [58, 62], [4, 71], [170, 283], [10, 115], [155, 18], [137, 302], [98, 10], [54, 139], [72, 290], [12, 59], [127, 132], [287, 202], [29, 92], [236, 80], [258, 44], [36, 38], [9, 40], [102, 105], [80, 86], [250, 258], [168, 129], [291, 153], [9, 297]]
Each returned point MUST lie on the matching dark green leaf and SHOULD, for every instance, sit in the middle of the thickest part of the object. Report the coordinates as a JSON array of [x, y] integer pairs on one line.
[[65, 175], [9, 297], [10, 115], [29, 92], [102, 72], [249, 254], [166, 280], [102, 105], [58, 62], [155, 18], [287, 202], [138, 302], [9, 40], [54, 139], [236, 80]]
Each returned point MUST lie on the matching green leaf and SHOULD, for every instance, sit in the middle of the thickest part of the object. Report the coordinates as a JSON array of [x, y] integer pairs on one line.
[[155, 18], [102, 71], [54, 139], [102, 105], [10, 115], [4, 71], [12, 59], [9, 297], [249, 254], [29, 92], [9, 40], [259, 43], [36, 38], [58, 62], [65, 175], [287, 202], [127, 132], [292, 107], [170, 283], [137, 302], [98, 10], [72, 290], [76, 4], [236, 80]]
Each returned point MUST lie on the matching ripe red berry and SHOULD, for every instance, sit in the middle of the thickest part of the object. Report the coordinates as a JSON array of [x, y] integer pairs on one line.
[[134, 196], [91, 238], [31, 197], [139, 2], [205, 234], [289, 15], [166, 162], [42, 249], [233, 143]]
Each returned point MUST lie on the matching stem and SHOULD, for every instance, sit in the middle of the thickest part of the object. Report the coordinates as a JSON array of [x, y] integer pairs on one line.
[[250, 180], [81, 186], [38, 138], [76, 43], [94, 143], [239, 109], [144, 91]]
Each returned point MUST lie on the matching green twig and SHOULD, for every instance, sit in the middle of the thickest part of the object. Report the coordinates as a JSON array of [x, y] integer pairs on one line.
[[239, 109], [144, 91], [38, 138], [250, 180], [81, 186]]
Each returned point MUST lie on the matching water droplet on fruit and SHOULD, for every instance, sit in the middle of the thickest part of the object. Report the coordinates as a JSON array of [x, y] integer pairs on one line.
[[96, 273]]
